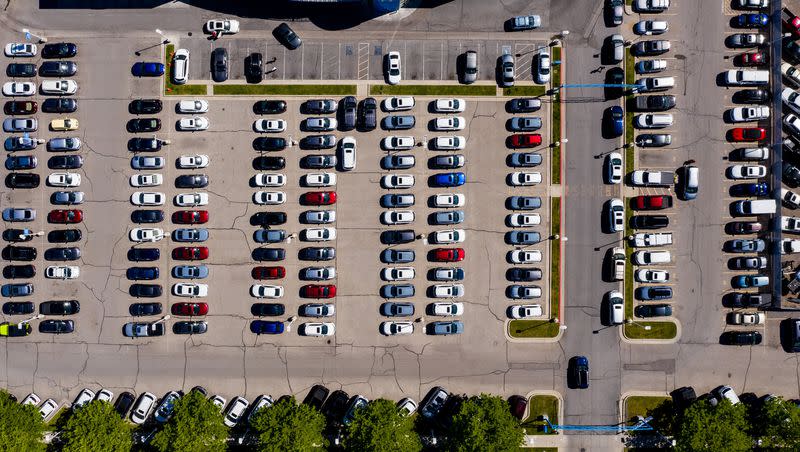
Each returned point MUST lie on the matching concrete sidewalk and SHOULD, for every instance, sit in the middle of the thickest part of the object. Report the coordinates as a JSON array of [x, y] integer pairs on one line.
[[587, 442]]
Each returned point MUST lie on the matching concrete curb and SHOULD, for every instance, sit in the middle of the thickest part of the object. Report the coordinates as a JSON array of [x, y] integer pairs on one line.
[[624, 397], [654, 341]]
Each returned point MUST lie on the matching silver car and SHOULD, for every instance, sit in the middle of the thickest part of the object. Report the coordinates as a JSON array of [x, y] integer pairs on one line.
[[64, 144], [507, 72]]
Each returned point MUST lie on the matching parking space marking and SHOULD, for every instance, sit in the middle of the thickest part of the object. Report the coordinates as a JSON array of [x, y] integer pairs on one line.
[[302, 61], [441, 60], [363, 60], [339, 72], [525, 59], [284, 63]]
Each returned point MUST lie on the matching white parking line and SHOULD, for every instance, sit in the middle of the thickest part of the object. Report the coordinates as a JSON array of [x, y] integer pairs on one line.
[[302, 61], [423, 60], [321, 59], [441, 56], [340, 62], [405, 53], [284, 63]]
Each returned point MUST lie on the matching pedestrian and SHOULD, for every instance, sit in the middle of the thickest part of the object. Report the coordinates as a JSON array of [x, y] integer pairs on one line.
[[213, 35]]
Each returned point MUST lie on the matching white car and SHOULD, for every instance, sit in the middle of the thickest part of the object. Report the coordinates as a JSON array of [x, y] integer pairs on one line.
[[397, 181], [146, 234], [518, 220], [142, 408], [320, 234], [219, 402], [791, 98], [542, 74], [651, 27], [318, 329], [448, 290], [449, 200], [448, 309], [20, 49], [747, 171], [19, 89], [792, 122], [450, 123], [320, 179], [398, 273], [525, 311], [616, 210], [449, 236], [270, 180], [319, 310], [318, 273], [397, 328], [791, 73], [190, 290], [394, 143], [235, 411], [64, 180], [105, 395], [180, 69], [140, 198], [147, 180], [747, 114], [84, 397], [191, 199], [47, 409], [193, 124], [398, 103], [393, 68], [652, 276], [193, 106], [222, 26], [266, 291], [59, 87], [269, 125], [31, 399], [525, 256], [614, 168], [752, 4], [62, 272], [321, 124], [746, 318], [393, 217], [449, 105], [450, 143], [269, 197], [790, 224], [521, 178], [193, 161]]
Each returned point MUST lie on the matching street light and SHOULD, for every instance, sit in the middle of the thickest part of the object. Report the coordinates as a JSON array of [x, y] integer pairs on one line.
[[36, 317], [28, 34], [162, 319], [34, 234], [646, 327], [160, 33]]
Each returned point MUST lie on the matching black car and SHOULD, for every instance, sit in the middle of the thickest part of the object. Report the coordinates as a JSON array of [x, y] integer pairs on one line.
[[269, 254], [578, 372], [143, 254], [57, 326], [21, 70], [267, 309], [20, 107], [145, 106], [144, 125], [523, 274], [269, 107], [524, 105], [19, 271], [397, 236], [751, 96], [268, 218], [615, 78], [17, 235], [59, 50], [22, 180], [349, 106], [19, 253], [316, 396], [144, 144], [142, 273], [335, 405], [368, 114], [318, 161], [313, 253], [59, 105], [124, 403], [791, 50], [58, 69], [744, 300], [65, 162], [62, 254], [286, 36], [219, 64], [18, 308], [253, 68], [190, 327], [145, 290], [318, 142], [740, 338], [653, 310], [649, 221], [269, 163], [65, 307], [64, 236], [269, 144], [655, 103], [191, 181], [791, 175], [147, 216]]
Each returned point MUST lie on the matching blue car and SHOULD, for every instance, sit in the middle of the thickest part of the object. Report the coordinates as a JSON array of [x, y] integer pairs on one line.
[[578, 373], [142, 273], [753, 189], [20, 162], [752, 20], [16, 290], [144, 254], [615, 117], [266, 327], [19, 144], [445, 328], [147, 69], [747, 281], [448, 180]]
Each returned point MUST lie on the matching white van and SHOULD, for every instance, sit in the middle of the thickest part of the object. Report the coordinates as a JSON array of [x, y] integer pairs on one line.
[[347, 151], [746, 77], [651, 257], [180, 67], [650, 84], [755, 207]]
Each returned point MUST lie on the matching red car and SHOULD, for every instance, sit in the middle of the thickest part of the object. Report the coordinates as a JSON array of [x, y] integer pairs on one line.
[[268, 272], [318, 291], [448, 255], [190, 253], [190, 216], [319, 198], [652, 202], [190, 309], [748, 134], [65, 216], [526, 140], [793, 25], [753, 59]]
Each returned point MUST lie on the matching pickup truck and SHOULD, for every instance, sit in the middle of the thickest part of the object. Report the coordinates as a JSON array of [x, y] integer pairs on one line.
[[643, 239], [652, 178]]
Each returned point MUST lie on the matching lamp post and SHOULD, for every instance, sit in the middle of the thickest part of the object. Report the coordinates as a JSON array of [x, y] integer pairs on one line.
[[161, 33], [162, 319], [23, 236], [28, 34], [36, 317], [646, 327]]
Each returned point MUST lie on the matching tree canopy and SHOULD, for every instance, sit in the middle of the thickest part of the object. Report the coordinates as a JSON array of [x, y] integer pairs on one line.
[[777, 424], [380, 427], [485, 423], [704, 427], [96, 426], [196, 424], [289, 426], [21, 427]]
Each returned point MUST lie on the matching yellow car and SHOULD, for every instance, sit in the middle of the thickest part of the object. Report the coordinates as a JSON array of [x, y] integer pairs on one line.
[[15, 329], [64, 124]]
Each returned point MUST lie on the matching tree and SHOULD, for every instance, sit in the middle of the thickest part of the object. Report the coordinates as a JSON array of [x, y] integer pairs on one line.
[[21, 427], [96, 426], [196, 424], [708, 428], [777, 424], [666, 417], [485, 423], [380, 427], [289, 426]]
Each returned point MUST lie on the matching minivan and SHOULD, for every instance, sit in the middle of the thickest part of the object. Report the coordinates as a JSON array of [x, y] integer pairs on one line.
[[651, 257], [180, 67], [470, 67], [690, 182], [746, 77]]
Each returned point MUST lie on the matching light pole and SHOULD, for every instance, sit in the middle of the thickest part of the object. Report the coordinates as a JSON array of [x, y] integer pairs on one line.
[[36, 317], [162, 319], [646, 327], [160, 33], [28, 35], [23, 236]]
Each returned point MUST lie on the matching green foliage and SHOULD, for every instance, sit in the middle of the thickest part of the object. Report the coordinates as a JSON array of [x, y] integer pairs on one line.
[[485, 423], [665, 418], [196, 424], [21, 427], [380, 427], [95, 427], [777, 424], [288, 426], [707, 428]]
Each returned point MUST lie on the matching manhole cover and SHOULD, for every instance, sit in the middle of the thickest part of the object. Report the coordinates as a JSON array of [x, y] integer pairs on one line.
[[348, 50], [378, 50]]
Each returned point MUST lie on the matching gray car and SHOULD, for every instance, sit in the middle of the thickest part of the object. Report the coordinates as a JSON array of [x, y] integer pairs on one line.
[[147, 162], [448, 161], [317, 253], [397, 290], [12, 214], [269, 235], [398, 162], [448, 217], [190, 235], [398, 122], [654, 140], [321, 106], [392, 309], [393, 256], [320, 161], [67, 197], [190, 272], [524, 202], [20, 125], [319, 141], [64, 144], [525, 159], [507, 72], [404, 200], [446, 328], [525, 124], [523, 237]]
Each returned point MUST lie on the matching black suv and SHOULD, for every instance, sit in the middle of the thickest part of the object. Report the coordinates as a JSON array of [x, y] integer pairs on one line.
[[191, 181], [19, 253], [269, 254], [741, 338], [397, 236], [268, 218], [145, 106], [64, 236], [368, 114], [58, 69], [253, 71], [269, 163], [59, 105], [349, 106], [59, 50], [21, 70], [269, 107], [22, 180], [313, 253], [147, 216], [269, 144], [219, 64], [65, 162], [649, 221], [65, 307]]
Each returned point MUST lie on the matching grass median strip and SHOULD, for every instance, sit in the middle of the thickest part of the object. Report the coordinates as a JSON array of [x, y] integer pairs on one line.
[[433, 90], [171, 89], [658, 330], [524, 90], [555, 126], [537, 406], [290, 90], [639, 405]]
